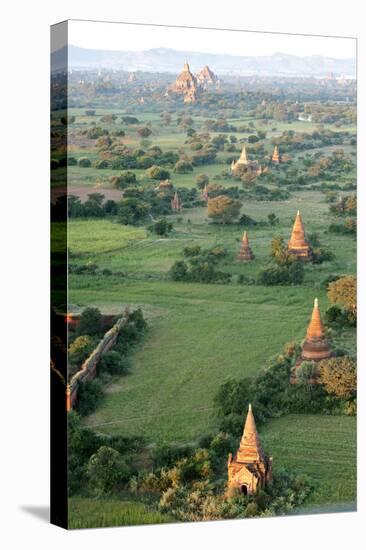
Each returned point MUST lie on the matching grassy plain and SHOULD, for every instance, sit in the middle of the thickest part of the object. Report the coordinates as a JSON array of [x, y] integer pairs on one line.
[[201, 335]]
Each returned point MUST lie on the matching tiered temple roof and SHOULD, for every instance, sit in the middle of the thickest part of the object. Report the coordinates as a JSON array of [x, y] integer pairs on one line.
[[298, 244]]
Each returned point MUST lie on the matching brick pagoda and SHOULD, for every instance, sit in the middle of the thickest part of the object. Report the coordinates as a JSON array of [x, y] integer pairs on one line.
[[276, 157], [298, 244], [176, 203], [245, 253], [250, 469]]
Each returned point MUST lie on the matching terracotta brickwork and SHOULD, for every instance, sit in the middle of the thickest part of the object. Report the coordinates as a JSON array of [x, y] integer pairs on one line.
[[298, 244], [315, 346], [245, 253]]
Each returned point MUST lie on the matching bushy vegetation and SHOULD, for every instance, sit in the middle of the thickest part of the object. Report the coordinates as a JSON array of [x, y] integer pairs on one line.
[[200, 266]]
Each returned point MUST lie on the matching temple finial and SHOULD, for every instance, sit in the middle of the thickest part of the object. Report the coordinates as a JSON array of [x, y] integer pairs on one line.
[[250, 407], [298, 213], [316, 304]]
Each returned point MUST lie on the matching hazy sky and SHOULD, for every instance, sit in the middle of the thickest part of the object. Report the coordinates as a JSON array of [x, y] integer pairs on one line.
[[117, 36]]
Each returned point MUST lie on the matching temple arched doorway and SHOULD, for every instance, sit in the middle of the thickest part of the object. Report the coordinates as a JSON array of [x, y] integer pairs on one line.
[[244, 489]]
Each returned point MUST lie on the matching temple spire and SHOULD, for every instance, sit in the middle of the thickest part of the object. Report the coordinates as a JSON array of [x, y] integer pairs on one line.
[[245, 253], [315, 328], [250, 447], [298, 243], [243, 156]]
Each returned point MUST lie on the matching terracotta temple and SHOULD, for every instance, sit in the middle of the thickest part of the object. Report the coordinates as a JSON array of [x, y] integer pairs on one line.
[[298, 244], [206, 77], [245, 253], [250, 469], [315, 346], [276, 157], [244, 164], [186, 84], [176, 203]]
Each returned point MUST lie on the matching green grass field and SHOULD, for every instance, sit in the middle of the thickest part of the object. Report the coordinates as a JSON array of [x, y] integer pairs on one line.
[[322, 447], [87, 513]]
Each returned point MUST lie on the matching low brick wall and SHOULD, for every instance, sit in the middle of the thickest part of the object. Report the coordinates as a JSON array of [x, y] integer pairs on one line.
[[88, 369]]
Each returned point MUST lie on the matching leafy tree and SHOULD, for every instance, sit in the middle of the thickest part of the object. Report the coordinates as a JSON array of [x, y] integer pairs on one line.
[[91, 321], [129, 120], [93, 207], [279, 252], [106, 470], [339, 376], [183, 167], [223, 209], [178, 271], [202, 180], [305, 372], [344, 292], [125, 179], [80, 349], [114, 363], [273, 219], [162, 227], [84, 162], [132, 211], [157, 173]]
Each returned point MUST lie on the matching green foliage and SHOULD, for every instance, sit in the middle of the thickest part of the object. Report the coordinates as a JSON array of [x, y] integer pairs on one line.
[[286, 275], [183, 167], [125, 179], [113, 362], [200, 266], [80, 349], [90, 395], [91, 321], [202, 180], [161, 227], [223, 209], [339, 376], [84, 162], [157, 173], [106, 470], [132, 211]]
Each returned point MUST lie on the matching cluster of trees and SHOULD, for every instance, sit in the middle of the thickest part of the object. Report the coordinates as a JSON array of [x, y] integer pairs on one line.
[[200, 265], [345, 209], [135, 207], [223, 209]]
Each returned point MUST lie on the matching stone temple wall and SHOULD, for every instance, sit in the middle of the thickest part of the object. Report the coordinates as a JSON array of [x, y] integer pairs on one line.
[[88, 369]]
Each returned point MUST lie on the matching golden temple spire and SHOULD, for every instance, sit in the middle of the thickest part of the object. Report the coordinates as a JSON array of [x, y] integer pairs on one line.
[[298, 232], [245, 241], [316, 327], [250, 447], [243, 156]]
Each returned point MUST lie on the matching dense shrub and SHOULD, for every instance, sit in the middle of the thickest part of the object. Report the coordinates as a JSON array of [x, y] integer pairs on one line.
[[90, 395], [91, 321], [84, 162]]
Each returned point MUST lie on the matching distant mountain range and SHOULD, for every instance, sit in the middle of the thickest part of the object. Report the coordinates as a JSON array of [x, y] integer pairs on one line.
[[171, 61]]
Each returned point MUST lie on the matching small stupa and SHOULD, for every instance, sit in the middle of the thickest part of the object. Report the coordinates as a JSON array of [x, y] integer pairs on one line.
[[276, 157], [245, 253], [176, 203], [298, 244], [315, 346], [250, 469], [205, 195]]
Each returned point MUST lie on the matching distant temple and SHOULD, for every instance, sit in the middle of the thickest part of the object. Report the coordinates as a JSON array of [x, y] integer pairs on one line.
[[245, 253], [250, 469], [276, 157], [186, 84], [131, 77], [244, 164], [298, 244], [206, 77], [176, 203]]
